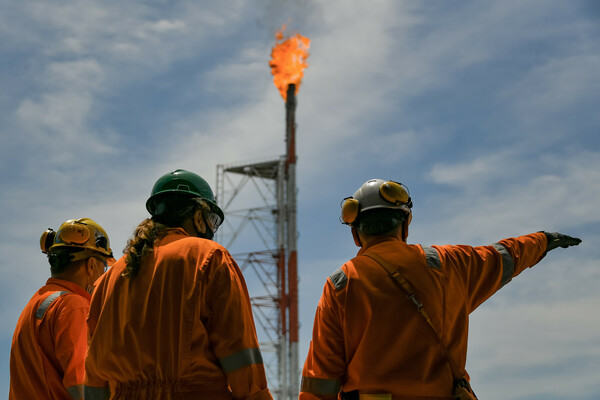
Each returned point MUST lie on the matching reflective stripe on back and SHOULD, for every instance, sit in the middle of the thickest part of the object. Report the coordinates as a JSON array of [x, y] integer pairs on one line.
[[433, 257], [46, 303], [240, 359], [76, 391], [374, 396], [96, 393], [339, 279], [508, 264], [319, 386]]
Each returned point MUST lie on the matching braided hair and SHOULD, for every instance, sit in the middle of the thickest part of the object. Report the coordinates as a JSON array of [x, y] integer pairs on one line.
[[175, 210]]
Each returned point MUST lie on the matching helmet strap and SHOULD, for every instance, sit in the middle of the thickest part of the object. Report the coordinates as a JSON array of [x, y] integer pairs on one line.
[[205, 233], [356, 236], [89, 267], [404, 228]]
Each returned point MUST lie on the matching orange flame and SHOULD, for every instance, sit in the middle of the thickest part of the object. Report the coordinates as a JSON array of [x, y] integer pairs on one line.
[[288, 60]]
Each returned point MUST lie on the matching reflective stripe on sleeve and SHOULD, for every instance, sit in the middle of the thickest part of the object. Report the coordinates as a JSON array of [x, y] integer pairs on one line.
[[320, 386], [240, 359], [76, 391], [339, 279], [508, 264], [432, 257], [96, 393], [46, 303]]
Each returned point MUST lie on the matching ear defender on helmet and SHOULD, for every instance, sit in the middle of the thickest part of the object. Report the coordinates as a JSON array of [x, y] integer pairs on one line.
[[350, 209], [375, 193], [395, 193], [82, 233], [75, 233], [47, 240]]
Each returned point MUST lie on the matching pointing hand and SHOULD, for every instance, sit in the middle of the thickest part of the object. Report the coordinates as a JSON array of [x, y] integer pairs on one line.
[[556, 239]]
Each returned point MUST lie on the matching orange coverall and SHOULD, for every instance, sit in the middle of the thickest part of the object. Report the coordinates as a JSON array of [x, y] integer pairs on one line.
[[182, 328], [368, 335], [49, 343]]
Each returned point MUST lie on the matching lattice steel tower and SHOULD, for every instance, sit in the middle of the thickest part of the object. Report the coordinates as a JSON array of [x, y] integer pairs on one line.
[[259, 202]]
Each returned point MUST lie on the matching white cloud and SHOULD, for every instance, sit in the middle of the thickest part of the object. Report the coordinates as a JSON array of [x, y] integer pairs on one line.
[[167, 26], [473, 173], [554, 91], [59, 118], [86, 75], [500, 192], [524, 343], [369, 69]]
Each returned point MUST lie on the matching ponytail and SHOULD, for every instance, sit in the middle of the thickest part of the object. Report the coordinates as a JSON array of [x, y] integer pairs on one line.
[[176, 210], [142, 243]]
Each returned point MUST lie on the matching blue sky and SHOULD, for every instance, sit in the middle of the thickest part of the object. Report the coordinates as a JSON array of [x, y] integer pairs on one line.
[[487, 111]]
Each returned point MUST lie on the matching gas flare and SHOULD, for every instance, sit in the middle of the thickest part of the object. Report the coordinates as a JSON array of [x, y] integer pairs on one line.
[[288, 60]]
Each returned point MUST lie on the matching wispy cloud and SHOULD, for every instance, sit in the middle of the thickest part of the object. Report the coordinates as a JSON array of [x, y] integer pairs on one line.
[[488, 112]]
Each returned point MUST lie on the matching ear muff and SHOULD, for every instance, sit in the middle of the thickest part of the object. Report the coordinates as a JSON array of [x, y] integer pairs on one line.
[[350, 209], [47, 240], [394, 193], [75, 233], [375, 193], [101, 240]]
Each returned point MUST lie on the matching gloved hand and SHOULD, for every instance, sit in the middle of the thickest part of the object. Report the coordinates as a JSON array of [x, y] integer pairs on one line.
[[556, 239]]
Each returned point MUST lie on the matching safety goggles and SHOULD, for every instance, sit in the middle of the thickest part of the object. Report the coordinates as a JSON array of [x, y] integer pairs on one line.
[[103, 261], [213, 220]]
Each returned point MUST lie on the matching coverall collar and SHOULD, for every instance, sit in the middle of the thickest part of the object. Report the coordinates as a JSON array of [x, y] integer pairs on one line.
[[173, 234], [69, 287], [378, 241]]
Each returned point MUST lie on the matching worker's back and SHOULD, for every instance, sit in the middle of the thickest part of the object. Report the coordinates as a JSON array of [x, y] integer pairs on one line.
[[46, 358], [375, 340], [155, 334]]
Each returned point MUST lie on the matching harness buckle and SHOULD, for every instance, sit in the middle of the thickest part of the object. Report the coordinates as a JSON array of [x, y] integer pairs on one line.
[[416, 302]]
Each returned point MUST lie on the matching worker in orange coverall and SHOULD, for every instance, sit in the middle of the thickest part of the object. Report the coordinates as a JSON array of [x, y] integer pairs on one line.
[[48, 347], [392, 322], [172, 318]]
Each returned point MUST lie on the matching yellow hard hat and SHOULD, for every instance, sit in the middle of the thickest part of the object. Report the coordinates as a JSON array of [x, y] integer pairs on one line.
[[81, 233]]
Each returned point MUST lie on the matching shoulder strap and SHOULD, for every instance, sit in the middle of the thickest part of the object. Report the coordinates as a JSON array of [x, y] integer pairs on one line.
[[406, 287]]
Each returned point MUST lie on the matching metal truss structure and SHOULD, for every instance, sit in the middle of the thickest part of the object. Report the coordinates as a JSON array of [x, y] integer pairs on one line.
[[253, 197], [261, 197]]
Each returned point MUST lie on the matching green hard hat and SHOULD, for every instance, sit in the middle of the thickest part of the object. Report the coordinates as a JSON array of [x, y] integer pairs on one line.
[[185, 183]]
